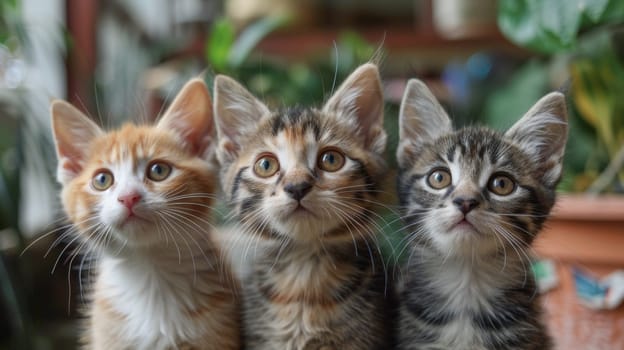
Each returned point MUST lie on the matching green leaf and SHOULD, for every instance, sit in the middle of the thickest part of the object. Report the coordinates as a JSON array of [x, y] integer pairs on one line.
[[561, 20], [593, 99], [251, 36], [219, 45], [614, 12], [509, 102], [553, 25], [515, 20], [595, 9]]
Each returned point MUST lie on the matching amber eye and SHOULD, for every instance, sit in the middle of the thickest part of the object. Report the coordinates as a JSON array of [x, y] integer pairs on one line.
[[158, 171], [501, 185], [331, 160], [102, 180], [439, 179], [266, 165]]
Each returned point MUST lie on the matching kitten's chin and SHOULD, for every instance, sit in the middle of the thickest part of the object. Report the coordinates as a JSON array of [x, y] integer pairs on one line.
[[302, 221], [465, 238], [303, 225], [464, 226], [135, 231]]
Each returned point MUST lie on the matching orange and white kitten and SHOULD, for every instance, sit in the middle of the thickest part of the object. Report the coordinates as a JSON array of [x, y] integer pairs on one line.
[[140, 198]]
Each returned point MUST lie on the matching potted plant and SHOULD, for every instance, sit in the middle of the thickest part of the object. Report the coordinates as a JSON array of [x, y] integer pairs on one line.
[[582, 47]]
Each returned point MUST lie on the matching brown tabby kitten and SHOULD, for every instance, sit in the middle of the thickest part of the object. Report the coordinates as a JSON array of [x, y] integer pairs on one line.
[[140, 199], [473, 200], [303, 183]]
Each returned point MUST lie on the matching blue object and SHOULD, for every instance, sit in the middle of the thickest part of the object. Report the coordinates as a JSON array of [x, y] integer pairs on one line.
[[588, 288]]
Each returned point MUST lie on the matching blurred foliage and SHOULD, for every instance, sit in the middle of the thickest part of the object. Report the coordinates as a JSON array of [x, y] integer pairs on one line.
[[13, 40], [12, 30], [554, 25], [278, 82], [587, 39]]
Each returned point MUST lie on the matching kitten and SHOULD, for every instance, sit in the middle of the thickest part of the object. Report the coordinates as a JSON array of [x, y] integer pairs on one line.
[[140, 198], [303, 182], [473, 200]]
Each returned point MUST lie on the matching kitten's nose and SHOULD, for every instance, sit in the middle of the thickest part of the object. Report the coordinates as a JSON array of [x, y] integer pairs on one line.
[[465, 205], [129, 199], [298, 190]]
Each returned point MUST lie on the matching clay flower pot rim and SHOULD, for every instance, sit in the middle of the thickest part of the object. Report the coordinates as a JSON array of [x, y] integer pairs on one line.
[[608, 207]]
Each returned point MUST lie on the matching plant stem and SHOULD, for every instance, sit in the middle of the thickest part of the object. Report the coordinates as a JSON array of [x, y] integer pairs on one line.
[[609, 174]]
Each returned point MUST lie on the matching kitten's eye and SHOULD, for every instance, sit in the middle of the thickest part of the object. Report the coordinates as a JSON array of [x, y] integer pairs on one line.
[[501, 185], [439, 179], [102, 180], [267, 165], [158, 171], [331, 160]]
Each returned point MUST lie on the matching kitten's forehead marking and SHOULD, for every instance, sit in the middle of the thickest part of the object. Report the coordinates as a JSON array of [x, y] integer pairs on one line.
[[292, 148]]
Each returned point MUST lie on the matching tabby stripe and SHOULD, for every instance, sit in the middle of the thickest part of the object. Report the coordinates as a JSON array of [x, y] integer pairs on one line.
[[448, 192], [277, 125], [505, 316], [237, 181], [426, 314], [508, 341], [361, 172], [404, 187], [249, 204], [481, 152], [451, 153]]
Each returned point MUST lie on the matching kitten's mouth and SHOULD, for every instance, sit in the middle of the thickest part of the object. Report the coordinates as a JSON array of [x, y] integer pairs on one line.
[[464, 223], [131, 218], [300, 210]]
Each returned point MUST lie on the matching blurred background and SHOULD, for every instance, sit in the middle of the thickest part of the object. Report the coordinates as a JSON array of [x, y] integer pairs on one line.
[[487, 61]]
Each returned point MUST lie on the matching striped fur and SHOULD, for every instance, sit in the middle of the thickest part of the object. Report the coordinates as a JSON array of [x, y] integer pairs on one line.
[[467, 283], [160, 282], [318, 281]]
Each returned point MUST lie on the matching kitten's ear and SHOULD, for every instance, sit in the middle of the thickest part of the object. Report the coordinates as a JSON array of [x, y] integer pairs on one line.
[[73, 132], [421, 119], [361, 96], [190, 116], [542, 133], [237, 113]]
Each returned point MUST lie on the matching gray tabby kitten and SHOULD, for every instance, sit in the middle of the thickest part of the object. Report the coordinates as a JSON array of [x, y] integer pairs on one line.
[[474, 200], [302, 183]]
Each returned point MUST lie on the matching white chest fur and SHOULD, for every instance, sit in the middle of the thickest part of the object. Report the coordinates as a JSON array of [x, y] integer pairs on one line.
[[468, 287], [153, 300]]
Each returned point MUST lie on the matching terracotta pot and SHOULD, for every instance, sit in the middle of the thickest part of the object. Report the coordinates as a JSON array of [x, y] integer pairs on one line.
[[588, 233], [585, 230]]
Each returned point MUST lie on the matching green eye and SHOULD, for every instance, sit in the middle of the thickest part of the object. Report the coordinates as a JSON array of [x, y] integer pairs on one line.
[[158, 171], [439, 179], [501, 185], [266, 165], [102, 180], [331, 160]]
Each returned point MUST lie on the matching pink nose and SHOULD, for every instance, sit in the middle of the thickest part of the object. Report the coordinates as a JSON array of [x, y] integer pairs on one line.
[[129, 199]]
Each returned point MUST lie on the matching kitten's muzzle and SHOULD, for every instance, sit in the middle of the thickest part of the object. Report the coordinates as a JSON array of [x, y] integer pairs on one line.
[[465, 205], [129, 200], [298, 190]]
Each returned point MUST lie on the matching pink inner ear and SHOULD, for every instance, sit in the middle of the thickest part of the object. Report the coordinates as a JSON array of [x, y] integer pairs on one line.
[[196, 134], [72, 165]]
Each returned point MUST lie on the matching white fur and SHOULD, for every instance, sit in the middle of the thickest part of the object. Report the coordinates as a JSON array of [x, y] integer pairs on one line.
[[154, 293], [468, 283]]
